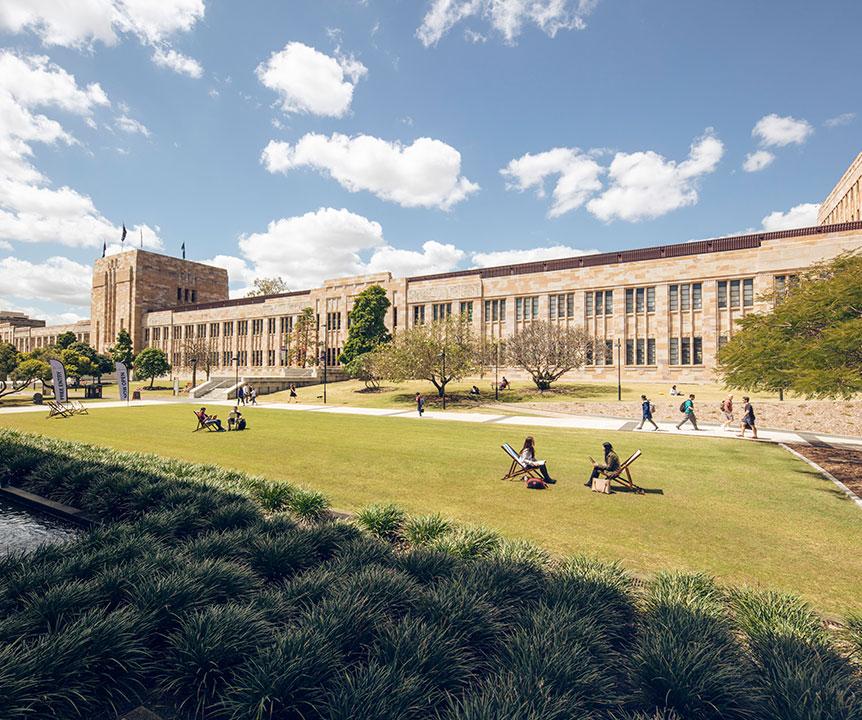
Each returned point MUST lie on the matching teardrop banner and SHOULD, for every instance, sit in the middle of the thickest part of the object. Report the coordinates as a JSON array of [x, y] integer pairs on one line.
[[58, 378], [122, 380]]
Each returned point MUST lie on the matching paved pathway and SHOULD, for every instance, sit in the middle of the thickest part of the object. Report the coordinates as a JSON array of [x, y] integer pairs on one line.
[[546, 419]]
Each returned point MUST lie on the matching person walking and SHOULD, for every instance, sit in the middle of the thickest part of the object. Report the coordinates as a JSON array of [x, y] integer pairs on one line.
[[420, 404], [252, 393], [647, 409], [687, 409], [727, 411], [240, 395], [292, 397], [748, 418]]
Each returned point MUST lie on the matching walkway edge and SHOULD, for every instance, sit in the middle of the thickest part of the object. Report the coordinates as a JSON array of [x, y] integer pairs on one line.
[[825, 473]]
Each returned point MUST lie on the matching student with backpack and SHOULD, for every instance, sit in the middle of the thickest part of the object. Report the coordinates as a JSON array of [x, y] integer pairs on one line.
[[647, 409], [748, 418], [727, 411], [687, 409]]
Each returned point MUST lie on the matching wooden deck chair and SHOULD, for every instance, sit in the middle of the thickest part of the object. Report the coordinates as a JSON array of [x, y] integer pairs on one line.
[[202, 425], [623, 475], [518, 470], [78, 408], [57, 409]]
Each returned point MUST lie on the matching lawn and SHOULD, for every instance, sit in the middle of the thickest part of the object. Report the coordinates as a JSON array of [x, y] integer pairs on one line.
[[745, 512]]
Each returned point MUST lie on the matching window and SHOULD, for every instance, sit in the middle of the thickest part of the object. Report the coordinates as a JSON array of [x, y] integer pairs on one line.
[[650, 351], [734, 293], [673, 347], [194, 296], [630, 301], [227, 327], [214, 329], [242, 358], [561, 306], [190, 331], [783, 283], [527, 308], [495, 310], [600, 301], [609, 352], [270, 326], [640, 356], [226, 358], [418, 314], [202, 330], [748, 292], [630, 352], [684, 297], [466, 308], [395, 317], [588, 304], [722, 293], [270, 358], [640, 295], [242, 328], [696, 296], [285, 324], [673, 297], [441, 310], [157, 334], [146, 335], [685, 351], [697, 345], [333, 321], [178, 332], [186, 295], [179, 295], [650, 299]]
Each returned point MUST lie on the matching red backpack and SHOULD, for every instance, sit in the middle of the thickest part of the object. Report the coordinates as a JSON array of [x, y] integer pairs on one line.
[[536, 484]]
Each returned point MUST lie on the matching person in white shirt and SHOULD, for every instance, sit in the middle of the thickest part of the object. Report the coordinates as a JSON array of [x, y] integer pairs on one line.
[[528, 457]]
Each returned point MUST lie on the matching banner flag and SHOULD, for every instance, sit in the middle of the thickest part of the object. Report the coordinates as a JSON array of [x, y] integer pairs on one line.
[[58, 377], [123, 380]]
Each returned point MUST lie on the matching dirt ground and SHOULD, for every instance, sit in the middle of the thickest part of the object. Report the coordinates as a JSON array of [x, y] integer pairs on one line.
[[844, 462], [816, 416]]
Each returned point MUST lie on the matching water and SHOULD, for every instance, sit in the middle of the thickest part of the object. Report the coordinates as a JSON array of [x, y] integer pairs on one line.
[[22, 530]]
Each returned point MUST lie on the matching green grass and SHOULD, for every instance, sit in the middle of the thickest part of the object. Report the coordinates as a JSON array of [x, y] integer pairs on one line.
[[747, 513]]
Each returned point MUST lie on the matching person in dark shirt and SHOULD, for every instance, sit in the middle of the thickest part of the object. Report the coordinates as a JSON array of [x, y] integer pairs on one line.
[[688, 413], [646, 410], [610, 465]]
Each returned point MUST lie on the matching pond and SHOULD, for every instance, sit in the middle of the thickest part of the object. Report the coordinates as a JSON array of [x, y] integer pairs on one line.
[[22, 530]]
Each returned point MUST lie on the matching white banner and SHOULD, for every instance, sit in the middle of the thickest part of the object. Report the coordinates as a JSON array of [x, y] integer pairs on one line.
[[122, 380], [58, 377]]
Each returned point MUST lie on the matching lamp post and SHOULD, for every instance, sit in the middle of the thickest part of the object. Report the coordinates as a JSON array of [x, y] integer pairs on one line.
[[236, 378], [497, 369], [443, 376], [194, 372], [619, 371]]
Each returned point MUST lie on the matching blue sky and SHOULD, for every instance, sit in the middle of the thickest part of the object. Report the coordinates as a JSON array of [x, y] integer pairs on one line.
[[409, 136]]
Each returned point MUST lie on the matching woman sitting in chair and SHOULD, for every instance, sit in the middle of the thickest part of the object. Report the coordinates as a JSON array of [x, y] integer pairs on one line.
[[528, 457]]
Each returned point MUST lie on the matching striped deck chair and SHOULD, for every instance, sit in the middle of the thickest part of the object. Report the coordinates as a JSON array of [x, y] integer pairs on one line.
[[518, 470]]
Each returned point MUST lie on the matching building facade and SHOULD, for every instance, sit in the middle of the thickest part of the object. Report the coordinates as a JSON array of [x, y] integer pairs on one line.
[[658, 313]]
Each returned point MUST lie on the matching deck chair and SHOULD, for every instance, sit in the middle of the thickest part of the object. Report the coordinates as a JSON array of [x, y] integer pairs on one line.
[[202, 425], [77, 407], [57, 409], [518, 470], [623, 475]]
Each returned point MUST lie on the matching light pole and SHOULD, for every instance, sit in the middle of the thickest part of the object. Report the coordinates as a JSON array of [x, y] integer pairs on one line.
[[497, 369], [194, 371], [619, 372], [236, 380], [443, 375]]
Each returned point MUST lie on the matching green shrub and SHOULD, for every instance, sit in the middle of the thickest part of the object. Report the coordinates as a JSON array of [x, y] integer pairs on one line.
[[391, 589], [276, 558], [378, 692], [853, 632], [382, 521], [505, 696], [273, 495], [425, 529], [308, 505], [469, 542], [426, 565]]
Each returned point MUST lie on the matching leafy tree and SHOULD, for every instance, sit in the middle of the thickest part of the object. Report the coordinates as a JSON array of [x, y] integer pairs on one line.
[[30, 369], [810, 342], [367, 324], [304, 338], [439, 352], [368, 367], [151, 363], [66, 339], [267, 286], [548, 350], [9, 359], [77, 364], [197, 354], [122, 349]]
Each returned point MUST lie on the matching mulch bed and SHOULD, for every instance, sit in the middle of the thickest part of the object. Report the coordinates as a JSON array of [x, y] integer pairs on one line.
[[844, 462]]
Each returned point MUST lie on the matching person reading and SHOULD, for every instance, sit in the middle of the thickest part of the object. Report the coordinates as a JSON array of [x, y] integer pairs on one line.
[[210, 419], [235, 421], [528, 457], [610, 465]]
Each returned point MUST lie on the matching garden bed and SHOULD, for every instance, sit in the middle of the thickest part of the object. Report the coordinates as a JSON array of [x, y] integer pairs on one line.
[[843, 462], [213, 594]]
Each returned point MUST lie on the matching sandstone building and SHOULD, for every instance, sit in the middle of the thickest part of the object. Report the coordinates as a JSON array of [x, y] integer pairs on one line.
[[662, 311]]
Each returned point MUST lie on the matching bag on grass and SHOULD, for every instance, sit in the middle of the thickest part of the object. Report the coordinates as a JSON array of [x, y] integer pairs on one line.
[[536, 484], [602, 485]]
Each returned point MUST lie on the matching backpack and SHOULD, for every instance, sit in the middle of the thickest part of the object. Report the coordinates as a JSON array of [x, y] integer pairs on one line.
[[536, 484], [651, 409], [724, 406], [682, 407]]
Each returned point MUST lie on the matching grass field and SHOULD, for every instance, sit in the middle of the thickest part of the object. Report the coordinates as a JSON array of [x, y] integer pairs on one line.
[[748, 513]]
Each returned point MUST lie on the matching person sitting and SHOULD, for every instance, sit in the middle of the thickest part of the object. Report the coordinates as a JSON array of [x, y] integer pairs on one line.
[[528, 457], [474, 392], [610, 465], [235, 421], [210, 420], [674, 391], [504, 383]]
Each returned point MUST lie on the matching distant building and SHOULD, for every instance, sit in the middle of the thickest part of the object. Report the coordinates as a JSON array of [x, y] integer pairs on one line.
[[844, 203], [662, 312]]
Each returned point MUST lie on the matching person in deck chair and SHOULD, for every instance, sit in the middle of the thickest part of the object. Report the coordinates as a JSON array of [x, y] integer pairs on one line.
[[611, 464], [528, 457], [210, 419]]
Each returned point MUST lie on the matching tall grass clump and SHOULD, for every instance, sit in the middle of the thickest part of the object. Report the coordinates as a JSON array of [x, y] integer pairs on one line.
[[425, 529], [469, 542], [308, 505], [384, 522]]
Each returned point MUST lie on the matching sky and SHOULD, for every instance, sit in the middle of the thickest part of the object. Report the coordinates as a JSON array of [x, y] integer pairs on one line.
[[321, 138]]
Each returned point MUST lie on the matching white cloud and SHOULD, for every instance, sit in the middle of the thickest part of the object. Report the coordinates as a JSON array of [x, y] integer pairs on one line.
[[139, 236], [646, 185], [512, 257], [803, 215], [839, 120], [434, 258], [757, 161], [507, 17], [57, 279], [426, 173], [776, 131], [181, 64], [130, 125], [578, 177], [309, 81]]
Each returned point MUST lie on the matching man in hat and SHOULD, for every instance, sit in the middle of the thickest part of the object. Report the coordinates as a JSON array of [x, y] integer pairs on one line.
[[610, 465]]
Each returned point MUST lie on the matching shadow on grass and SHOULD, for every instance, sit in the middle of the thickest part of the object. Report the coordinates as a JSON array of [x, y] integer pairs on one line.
[[567, 391]]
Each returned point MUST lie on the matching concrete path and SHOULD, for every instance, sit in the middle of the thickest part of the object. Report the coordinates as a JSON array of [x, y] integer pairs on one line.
[[545, 420]]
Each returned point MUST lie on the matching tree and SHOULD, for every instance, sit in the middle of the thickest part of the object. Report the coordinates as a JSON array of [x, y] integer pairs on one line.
[[810, 342], [9, 359], [151, 363], [122, 349], [304, 337], [197, 353], [439, 352], [267, 286], [30, 369], [66, 339], [368, 367], [77, 364], [367, 324], [548, 350]]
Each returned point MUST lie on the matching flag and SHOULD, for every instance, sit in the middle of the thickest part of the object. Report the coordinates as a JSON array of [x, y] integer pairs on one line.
[[142, 237], [58, 377], [104, 248], [184, 251], [122, 380], [123, 238]]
